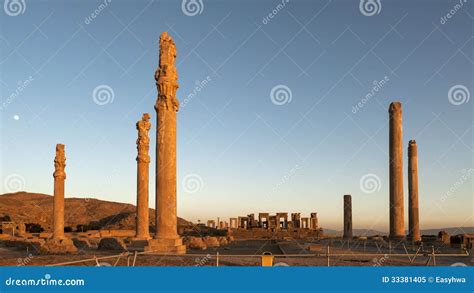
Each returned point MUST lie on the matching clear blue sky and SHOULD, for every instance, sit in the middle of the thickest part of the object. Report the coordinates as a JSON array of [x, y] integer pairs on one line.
[[247, 153]]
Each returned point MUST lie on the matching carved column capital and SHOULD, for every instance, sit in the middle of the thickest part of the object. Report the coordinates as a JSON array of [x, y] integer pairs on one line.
[[143, 140], [166, 75], [60, 162]]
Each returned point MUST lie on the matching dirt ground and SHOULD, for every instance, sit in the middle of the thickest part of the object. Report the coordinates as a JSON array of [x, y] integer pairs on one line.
[[248, 253]]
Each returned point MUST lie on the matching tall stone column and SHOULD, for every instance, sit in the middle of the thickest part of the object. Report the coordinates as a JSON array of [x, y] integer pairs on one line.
[[143, 163], [166, 106], [397, 227], [58, 243], [347, 216], [58, 204], [413, 215]]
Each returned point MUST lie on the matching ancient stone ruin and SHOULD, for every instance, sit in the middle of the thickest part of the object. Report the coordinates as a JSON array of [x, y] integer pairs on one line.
[[58, 243], [166, 238], [268, 226]]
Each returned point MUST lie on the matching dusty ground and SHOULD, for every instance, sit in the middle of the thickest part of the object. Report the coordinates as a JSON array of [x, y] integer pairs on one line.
[[245, 253]]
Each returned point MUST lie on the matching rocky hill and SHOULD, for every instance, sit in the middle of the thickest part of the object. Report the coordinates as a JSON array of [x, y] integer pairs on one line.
[[25, 207]]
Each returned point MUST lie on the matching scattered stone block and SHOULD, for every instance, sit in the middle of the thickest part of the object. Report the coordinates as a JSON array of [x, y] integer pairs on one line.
[[195, 243], [211, 241], [222, 241], [58, 246], [111, 243], [81, 243]]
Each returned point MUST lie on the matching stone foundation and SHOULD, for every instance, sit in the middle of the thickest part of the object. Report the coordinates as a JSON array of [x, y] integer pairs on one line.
[[162, 245]]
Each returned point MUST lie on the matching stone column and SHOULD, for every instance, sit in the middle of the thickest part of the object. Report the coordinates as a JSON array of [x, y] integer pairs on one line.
[[166, 106], [314, 221], [413, 215], [143, 163], [58, 243], [397, 227], [58, 205], [347, 216]]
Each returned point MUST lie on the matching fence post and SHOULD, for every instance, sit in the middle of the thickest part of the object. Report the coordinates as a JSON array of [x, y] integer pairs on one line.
[[217, 259], [134, 258], [327, 255]]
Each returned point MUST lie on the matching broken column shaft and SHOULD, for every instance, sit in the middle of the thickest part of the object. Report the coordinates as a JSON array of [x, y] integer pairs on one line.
[[413, 212], [397, 227], [347, 216]]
